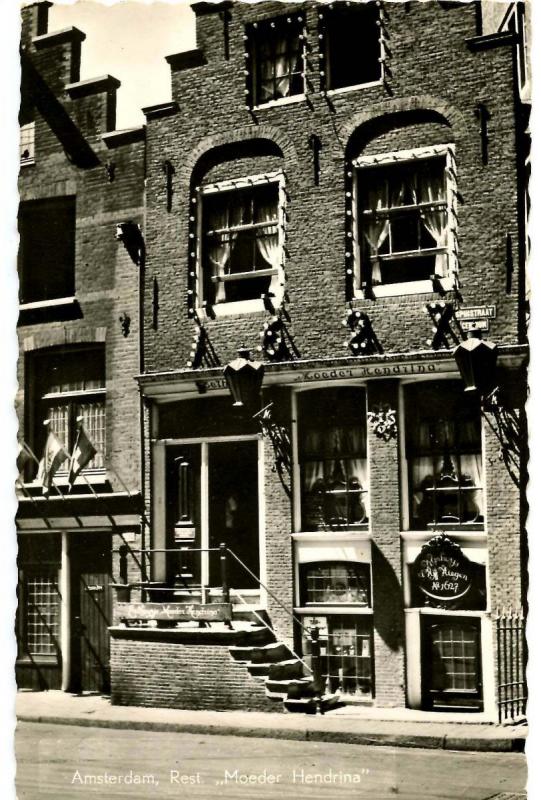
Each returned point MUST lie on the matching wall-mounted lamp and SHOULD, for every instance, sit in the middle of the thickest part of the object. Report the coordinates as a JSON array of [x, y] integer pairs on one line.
[[476, 360], [244, 378]]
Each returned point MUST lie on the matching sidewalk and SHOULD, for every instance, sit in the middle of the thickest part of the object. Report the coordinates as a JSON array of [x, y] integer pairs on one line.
[[349, 725]]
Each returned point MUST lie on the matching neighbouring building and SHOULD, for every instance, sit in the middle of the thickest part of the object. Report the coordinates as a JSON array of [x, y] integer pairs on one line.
[[79, 338], [353, 528]]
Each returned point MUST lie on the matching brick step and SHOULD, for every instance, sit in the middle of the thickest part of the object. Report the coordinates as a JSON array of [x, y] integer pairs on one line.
[[262, 654], [281, 689], [308, 705], [248, 638], [277, 671]]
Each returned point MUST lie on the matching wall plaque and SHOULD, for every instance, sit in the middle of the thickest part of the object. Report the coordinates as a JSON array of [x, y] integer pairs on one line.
[[441, 571]]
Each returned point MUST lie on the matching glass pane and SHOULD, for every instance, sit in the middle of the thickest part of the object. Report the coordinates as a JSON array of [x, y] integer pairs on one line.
[[455, 662], [337, 583], [93, 415], [346, 655], [42, 614]]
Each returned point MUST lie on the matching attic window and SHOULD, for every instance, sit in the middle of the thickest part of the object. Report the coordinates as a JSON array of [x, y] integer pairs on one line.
[[351, 39], [275, 59], [27, 143]]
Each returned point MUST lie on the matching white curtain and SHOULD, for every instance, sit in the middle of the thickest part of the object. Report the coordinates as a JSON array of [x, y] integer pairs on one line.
[[376, 228], [282, 65], [222, 244], [431, 189], [268, 242]]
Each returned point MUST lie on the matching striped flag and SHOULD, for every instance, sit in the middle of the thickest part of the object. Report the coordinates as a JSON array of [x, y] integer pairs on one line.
[[54, 456], [83, 452]]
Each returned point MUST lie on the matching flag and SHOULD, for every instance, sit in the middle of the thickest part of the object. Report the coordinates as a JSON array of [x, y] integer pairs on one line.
[[23, 458], [54, 456], [83, 452]]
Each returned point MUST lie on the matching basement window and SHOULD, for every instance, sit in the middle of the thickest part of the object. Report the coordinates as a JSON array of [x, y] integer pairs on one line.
[[46, 260], [335, 582], [242, 242], [351, 53], [275, 59]]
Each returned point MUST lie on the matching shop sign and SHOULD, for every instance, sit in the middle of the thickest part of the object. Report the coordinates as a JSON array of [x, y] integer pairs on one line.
[[441, 570]]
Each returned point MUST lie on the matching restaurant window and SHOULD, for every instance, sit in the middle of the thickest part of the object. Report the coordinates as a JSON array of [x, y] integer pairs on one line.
[[339, 582], [404, 206], [332, 459], [68, 384], [443, 449], [275, 59], [242, 246], [346, 654], [351, 54], [46, 260]]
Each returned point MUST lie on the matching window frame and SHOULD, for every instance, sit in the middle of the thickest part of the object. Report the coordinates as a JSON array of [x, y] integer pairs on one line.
[[39, 401], [31, 158], [403, 156], [253, 304], [51, 570], [252, 34], [475, 528], [324, 57], [345, 531]]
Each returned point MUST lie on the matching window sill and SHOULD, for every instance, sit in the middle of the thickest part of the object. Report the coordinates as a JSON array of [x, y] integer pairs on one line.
[[472, 532], [336, 608], [408, 288], [94, 477], [28, 162], [354, 88], [232, 309], [284, 101], [58, 310], [361, 535]]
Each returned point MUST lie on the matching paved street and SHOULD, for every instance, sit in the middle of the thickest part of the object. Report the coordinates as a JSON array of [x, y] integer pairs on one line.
[[61, 761]]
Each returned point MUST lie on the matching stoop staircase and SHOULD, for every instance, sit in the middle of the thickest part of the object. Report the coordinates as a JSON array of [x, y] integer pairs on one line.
[[286, 676]]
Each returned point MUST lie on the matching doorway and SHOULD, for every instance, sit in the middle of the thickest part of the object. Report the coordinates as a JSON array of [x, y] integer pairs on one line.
[[91, 611]]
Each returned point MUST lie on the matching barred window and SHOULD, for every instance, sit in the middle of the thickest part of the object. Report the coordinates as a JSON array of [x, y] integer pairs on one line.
[[69, 384], [41, 611], [27, 143]]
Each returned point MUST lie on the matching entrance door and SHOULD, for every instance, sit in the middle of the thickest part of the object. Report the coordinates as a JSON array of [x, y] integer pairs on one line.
[[451, 668], [234, 510], [91, 611]]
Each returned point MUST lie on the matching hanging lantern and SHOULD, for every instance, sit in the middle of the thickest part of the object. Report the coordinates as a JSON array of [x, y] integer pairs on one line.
[[244, 379], [476, 360]]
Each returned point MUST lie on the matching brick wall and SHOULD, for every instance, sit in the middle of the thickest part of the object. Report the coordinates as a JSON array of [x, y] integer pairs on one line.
[[171, 675], [421, 105]]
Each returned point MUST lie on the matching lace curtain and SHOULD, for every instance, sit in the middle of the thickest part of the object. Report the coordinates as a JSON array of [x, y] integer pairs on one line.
[[268, 242], [221, 246]]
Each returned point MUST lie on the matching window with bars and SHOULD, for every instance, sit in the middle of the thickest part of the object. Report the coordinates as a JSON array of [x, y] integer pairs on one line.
[[443, 450], [346, 655], [275, 59], [335, 583], [27, 143], [69, 384], [351, 53], [241, 248], [405, 217], [46, 259], [332, 459], [41, 611]]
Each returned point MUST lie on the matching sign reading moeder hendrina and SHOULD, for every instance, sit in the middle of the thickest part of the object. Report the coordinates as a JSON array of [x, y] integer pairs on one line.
[[441, 570]]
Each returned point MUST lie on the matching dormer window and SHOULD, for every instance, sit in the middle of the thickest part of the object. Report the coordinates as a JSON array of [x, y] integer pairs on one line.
[[275, 59], [27, 143], [350, 53]]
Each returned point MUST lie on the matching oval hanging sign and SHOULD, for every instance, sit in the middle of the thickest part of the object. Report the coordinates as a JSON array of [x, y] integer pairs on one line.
[[441, 570]]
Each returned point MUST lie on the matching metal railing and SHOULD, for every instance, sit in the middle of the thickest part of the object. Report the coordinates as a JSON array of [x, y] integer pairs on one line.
[[512, 658]]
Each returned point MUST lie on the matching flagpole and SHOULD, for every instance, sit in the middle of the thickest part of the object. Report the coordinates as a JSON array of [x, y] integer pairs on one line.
[[32, 500]]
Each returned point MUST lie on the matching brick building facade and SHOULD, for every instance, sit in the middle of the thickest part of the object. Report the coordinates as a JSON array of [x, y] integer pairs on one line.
[[79, 339], [348, 221]]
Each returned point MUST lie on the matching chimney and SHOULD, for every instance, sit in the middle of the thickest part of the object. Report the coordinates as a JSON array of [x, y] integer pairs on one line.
[[35, 21]]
